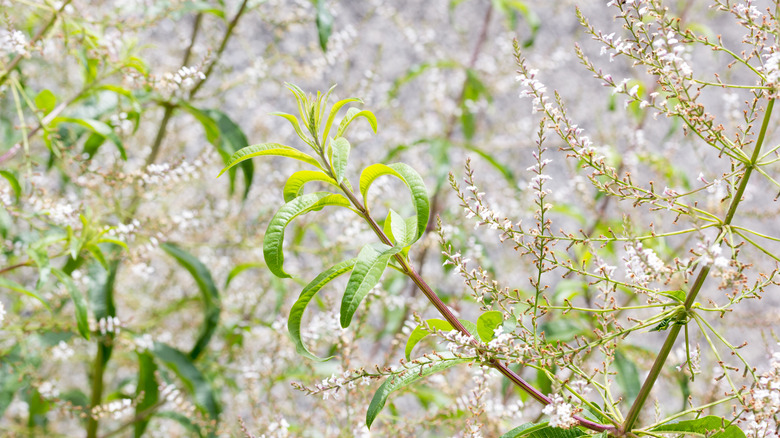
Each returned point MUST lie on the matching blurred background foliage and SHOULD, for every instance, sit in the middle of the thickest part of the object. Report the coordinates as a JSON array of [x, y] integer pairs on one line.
[[134, 293]]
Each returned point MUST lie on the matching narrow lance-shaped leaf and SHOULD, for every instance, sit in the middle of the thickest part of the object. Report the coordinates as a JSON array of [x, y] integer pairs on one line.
[[413, 181], [297, 126], [419, 333], [269, 149], [340, 158], [543, 430], [401, 231], [324, 22], [97, 127], [208, 290], [333, 111], [15, 186], [709, 426], [414, 373], [227, 137], [41, 258], [147, 384], [193, 379], [82, 321], [239, 269], [294, 185], [308, 292], [352, 114], [16, 287], [371, 263], [274, 234]]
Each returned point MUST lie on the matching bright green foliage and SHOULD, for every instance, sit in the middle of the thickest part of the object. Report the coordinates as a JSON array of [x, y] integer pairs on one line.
[[420, 332], [542, 430], [409, 177], [487, 324], [308, 292], [274, 234], [709, 426], [208, 291], [419, 369], [371, 263]]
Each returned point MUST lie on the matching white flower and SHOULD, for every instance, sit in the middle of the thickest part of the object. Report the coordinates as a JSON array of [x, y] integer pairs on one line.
[[61, 351], [48, 389], [13, 41], [2, 312], [560, 412], [144, 342]]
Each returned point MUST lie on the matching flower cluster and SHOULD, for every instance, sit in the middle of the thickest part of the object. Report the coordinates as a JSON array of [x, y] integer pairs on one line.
[[184, 79], [117, 409], [642, 264], [158, 174], [12, 42], [762, 405], [561, 413], [62, 351], [109, 324]]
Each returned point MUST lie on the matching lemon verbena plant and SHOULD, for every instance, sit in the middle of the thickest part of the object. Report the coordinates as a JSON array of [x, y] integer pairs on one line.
[[668, 265]]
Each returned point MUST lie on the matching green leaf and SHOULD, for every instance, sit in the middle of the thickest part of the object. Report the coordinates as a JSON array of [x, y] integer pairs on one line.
[[294, 185], [101, 290], [627, 376], [401, 231], [227, 137], [371, 263], [15, 186], [419, 333], [308, 292], [241, 268], [193, 379], [473, 90], [97, 127], [97, 253], [704, 426], [352, 114], [508, 9], [294, 121], [340, 158], [16, 287], [79, 302], [425, 367], [203, 7], [487, 323], [209, 293], [413, 181], [324, 22], [41, 258], [274, 234], [417, 70], [542, 430], [147, 384], [45, 101], [333, 110], [505, 170], [676, 295], [269, 149]]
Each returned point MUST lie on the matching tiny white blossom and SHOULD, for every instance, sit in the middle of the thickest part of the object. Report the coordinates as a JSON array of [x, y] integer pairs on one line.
[[561, 413]]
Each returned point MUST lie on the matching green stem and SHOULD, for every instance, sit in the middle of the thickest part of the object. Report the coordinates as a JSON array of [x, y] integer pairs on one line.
[[674, 331], [98, 369]]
